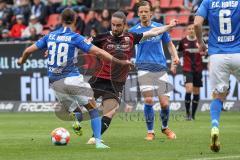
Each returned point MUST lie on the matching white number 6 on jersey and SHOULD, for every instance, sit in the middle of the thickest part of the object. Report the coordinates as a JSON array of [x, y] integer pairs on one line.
[[225, 20]]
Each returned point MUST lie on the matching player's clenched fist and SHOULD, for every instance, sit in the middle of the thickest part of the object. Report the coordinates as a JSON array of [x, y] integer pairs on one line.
[[175, 60], [173, 23]]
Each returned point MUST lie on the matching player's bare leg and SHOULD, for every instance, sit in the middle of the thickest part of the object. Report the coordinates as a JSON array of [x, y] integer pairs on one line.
[[109, 107]]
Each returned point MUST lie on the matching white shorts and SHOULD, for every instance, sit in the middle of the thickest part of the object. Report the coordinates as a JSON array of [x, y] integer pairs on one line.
[[220, 68], [158, 82], [72, 92]]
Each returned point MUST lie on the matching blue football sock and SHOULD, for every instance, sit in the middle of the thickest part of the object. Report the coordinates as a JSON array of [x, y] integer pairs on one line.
[[96, 124], [164, 114], [215, 110], [149, 116]]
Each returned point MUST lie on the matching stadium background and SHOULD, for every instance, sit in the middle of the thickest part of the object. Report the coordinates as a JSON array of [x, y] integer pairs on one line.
[[27, 88]]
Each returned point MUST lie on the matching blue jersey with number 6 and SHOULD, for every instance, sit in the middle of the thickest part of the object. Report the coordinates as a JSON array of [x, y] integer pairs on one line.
[[224, 20], [63, 46]]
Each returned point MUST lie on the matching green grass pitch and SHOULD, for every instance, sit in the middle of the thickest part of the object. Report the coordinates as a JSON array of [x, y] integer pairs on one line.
[[26, 136]]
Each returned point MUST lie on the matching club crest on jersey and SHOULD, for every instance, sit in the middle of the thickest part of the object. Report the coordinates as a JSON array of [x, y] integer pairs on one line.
[[127, 39]]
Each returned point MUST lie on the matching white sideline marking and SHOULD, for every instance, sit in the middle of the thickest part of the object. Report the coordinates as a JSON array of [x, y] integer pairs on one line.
[[218, 158]]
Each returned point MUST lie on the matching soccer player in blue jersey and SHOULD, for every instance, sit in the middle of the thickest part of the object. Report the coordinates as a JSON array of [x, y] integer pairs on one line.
[[151, 64], [224, 51], [70, 89]]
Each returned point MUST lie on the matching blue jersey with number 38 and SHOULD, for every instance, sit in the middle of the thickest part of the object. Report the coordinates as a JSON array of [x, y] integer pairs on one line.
[[63, 46], [224, 20]]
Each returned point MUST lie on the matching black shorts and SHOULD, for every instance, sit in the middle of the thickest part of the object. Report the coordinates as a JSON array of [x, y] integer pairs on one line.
[[193, 77], [106, 89]]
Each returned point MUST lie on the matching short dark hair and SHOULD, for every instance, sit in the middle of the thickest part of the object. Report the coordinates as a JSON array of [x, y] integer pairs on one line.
[[121, 15], [145, 3], [68, 16]]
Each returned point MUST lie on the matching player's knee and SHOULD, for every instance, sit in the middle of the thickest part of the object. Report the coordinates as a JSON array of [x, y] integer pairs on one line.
[[110, 107], [196, 91], [220, 96], [220, 92], [164, 103], [111, 103], [148, 100], [189, 89]]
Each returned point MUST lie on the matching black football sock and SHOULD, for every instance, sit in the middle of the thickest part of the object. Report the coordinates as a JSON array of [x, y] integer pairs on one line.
[[188, 103], [195, 104], [105, 124]]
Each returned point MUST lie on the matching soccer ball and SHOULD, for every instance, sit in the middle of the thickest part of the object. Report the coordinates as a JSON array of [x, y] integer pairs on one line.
[[60, 136]]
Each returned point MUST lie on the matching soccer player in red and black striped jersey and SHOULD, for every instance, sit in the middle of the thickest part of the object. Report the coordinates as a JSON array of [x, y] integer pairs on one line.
[[109, 79], [192, 69]]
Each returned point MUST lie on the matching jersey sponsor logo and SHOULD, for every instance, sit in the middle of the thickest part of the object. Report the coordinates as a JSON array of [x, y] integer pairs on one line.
[[192, 50], [122, 47]]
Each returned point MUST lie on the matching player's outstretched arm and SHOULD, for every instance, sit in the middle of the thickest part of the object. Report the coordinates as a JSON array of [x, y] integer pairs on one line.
[[106, 56], [159, 30], [26, 53], [198, 22]]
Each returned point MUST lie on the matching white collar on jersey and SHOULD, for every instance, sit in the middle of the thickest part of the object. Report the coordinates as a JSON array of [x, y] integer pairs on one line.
[[190, 39], [118, 36], [65, 29], [150, 25]]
